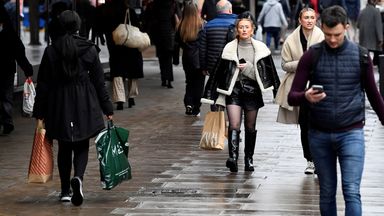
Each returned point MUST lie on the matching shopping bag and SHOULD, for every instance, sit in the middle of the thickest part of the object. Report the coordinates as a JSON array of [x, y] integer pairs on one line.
[[29, 94], [213, 135], [41, 162], [112, 152]]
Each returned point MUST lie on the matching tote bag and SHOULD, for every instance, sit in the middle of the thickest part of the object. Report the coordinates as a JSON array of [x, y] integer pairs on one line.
[[41, 162], [130, 36], [213, 134]]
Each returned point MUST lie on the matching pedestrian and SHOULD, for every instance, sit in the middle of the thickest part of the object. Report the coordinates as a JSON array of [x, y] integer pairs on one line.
[[337, 113], [126, 64], [12, 51], [371, 29], [242, 94], [274, 20], [353, 11], [70, 99], [208, 10], [163, 23], [214, 36], [304, 36], [187, 37]]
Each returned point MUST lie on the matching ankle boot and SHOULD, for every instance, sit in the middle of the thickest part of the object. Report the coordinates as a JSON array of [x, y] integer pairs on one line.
[[233, 149], [131, 102], [249, 148], [169, 85], [119, 105]]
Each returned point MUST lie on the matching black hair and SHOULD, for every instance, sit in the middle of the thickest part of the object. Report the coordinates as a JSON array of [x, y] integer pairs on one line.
[[334, 15], [66, 45]]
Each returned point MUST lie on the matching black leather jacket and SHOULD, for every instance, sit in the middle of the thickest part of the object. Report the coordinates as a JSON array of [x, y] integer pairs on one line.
[[225, 70]]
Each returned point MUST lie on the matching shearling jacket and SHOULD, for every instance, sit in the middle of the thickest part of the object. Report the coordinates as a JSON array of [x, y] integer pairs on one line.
[[227, 71]]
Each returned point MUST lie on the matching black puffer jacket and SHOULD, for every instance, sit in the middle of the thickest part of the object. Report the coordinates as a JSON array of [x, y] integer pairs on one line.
[[226, 71]]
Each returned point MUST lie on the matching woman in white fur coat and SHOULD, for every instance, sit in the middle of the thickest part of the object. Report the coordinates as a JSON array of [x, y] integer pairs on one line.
[[304, 36], [245, 70]]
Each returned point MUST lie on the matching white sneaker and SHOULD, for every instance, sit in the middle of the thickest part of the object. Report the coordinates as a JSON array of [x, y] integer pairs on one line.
[[310, 168], [65, 197]]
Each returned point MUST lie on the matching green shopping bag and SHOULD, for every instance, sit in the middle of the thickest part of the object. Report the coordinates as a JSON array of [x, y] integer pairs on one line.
[[112, 152]]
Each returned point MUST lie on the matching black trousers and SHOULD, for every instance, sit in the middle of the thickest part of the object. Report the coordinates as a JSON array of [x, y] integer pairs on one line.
[[6, 98], [166, 67], [304, 127], [194, 87], [64, 161]]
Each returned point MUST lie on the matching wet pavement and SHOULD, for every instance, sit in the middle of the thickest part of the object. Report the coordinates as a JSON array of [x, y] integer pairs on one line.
[[172, 176]]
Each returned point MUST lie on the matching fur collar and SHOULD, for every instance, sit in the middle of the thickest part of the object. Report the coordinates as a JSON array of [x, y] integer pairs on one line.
[[230, 50]]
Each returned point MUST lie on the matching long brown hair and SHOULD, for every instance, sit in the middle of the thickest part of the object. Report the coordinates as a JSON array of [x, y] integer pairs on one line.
[[191, 22]]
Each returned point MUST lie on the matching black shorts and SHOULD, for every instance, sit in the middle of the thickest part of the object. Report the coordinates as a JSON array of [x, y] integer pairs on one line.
[[248, 101]]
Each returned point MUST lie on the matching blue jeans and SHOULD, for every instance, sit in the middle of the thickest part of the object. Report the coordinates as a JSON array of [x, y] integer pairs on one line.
[[348, 148]]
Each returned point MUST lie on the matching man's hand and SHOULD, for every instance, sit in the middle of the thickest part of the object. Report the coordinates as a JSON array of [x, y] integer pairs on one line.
[[314, 96], [205, 72]]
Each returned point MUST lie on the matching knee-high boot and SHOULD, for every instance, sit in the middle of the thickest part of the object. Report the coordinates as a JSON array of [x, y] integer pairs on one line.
[[233, 149], [249, 148]]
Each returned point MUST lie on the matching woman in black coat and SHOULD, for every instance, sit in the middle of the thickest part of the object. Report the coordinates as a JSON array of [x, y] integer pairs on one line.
[[70, 99], [187, 38], [123, 61]]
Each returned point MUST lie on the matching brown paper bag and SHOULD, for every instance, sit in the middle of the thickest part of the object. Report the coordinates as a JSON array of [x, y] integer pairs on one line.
[[213, 135], [41, 163]]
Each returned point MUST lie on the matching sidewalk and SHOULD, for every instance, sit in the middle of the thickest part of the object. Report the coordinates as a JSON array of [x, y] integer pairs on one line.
[[172, 176]]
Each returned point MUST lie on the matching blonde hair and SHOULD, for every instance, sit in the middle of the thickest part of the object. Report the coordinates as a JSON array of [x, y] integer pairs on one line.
[[306, 9], [246, 19], [191, 23]]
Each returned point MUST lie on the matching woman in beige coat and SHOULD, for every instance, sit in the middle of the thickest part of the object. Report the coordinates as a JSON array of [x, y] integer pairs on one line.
[[304, 36]]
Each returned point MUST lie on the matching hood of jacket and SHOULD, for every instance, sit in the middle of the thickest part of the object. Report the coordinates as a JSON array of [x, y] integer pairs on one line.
[[271, 2]]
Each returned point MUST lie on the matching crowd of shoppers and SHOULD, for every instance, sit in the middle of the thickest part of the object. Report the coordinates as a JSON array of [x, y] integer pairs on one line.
[[240, 69]]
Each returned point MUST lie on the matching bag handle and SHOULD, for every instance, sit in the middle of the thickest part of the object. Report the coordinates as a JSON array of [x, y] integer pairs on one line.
[[127, 16], [110, 125]]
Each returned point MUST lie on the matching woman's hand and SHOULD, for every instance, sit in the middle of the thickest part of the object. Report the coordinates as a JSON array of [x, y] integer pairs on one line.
[[109, 117], [241, 66]]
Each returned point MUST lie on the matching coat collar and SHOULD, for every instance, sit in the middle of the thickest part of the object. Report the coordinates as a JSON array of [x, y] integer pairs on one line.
[[230, 50]]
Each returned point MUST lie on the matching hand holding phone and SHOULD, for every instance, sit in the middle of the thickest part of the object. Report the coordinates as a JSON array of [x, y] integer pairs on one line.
[[319, 88]]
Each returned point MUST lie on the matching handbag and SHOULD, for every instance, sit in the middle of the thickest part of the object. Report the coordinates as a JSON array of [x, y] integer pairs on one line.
[[41, 162], [29, 94], [130, 36], [112, 152], [213, 134], [248, 86]]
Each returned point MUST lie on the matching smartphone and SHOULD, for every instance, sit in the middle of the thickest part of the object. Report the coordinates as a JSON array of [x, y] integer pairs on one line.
[[319, 88], [242, 61]]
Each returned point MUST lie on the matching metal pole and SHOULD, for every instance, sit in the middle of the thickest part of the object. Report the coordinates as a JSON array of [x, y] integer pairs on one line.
[[381, 75]]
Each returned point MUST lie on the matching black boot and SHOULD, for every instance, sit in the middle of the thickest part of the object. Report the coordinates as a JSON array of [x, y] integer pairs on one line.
[[249, 148], [131, 102], [169, 85], [120, 105], [233, 149]]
